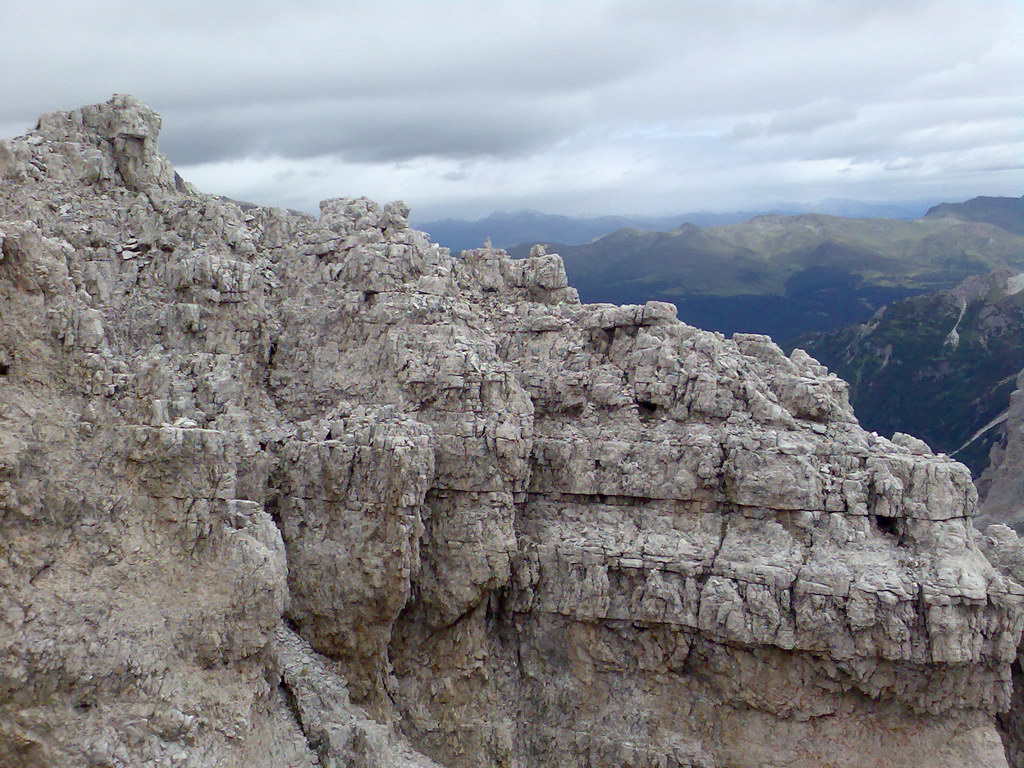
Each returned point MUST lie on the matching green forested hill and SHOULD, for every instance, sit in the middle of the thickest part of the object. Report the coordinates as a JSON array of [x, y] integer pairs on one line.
[[939, 366], [787, 275], [1005, 212]]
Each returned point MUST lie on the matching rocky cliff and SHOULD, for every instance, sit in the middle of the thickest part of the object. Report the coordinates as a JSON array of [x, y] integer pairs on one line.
[[1002, 482], [277, 491]]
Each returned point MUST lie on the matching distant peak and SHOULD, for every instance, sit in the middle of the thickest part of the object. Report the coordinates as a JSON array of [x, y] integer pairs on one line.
[[1004, 212]]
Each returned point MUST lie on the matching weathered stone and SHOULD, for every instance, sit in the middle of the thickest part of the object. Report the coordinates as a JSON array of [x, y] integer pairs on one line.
[[1003, 480], [277, 491]]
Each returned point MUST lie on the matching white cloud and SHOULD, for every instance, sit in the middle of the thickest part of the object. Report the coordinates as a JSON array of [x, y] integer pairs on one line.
[[569, 106]]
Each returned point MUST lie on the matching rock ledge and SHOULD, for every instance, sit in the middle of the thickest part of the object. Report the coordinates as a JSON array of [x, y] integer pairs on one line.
[[282, 491]]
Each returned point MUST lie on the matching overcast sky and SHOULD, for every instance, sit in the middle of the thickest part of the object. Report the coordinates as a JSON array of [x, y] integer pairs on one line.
[[603, 106]]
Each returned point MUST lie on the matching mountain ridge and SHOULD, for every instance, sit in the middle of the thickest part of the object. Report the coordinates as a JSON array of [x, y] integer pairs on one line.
[[509, 229], [787, 275], [285, 491], [1004, 212]]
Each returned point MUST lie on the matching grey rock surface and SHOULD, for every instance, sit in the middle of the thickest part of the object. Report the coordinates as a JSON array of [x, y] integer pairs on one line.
[[1003, 479], [277, 491]]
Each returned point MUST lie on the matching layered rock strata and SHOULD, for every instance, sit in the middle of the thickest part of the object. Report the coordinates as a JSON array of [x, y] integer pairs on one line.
[[284, 491], [1003, 479]]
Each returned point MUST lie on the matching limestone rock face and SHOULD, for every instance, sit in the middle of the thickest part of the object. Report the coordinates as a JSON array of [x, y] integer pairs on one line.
[[277, 491], [1003, 479]]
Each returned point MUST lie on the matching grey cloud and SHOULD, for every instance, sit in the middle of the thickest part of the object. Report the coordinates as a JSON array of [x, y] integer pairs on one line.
[[200, 55], [887, 131], [811, 117], [476, 98], [803, 119], [380, 130]]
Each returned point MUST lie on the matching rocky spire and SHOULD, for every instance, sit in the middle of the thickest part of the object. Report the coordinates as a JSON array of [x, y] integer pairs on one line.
[[98, 141]]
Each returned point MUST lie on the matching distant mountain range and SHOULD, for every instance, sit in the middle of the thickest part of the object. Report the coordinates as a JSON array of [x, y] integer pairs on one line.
[[506, 230], [1005, 212], [788, 276]]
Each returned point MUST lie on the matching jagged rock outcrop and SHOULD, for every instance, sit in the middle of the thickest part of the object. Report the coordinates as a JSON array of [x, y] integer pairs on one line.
[[1002, 482], [277, 491], [1005, 550]]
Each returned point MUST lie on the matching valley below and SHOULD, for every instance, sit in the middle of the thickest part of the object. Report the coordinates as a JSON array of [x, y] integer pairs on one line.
[[788, 276]]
